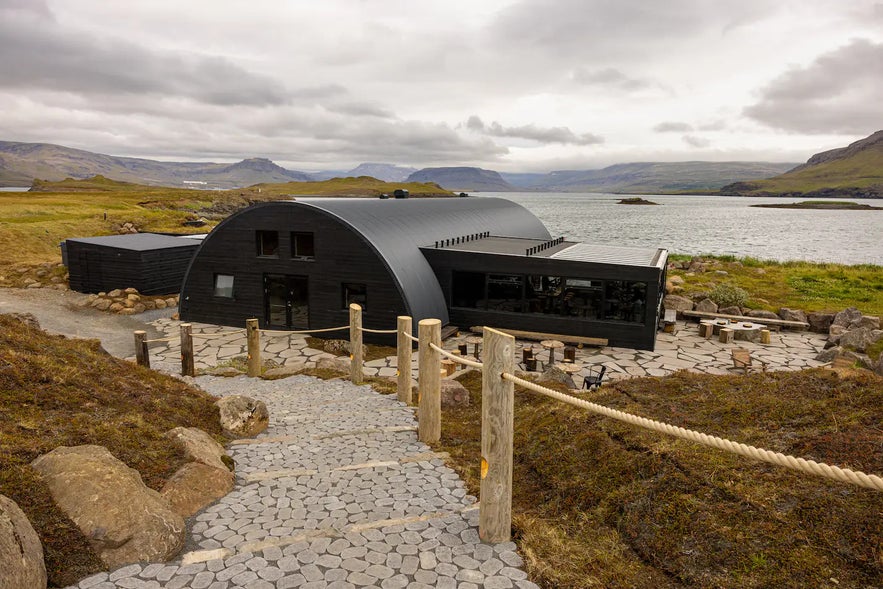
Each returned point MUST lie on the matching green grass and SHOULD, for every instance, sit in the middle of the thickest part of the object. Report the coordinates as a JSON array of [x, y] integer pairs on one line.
[[68, 392], [598, 503], [795, 284]]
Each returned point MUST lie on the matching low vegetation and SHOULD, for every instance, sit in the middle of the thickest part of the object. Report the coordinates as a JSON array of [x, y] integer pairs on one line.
[[799, 285], [821, 204], [598, 503], [69, 392]]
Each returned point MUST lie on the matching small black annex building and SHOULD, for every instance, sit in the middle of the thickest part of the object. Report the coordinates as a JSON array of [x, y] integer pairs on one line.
[[298, 264], [152, 263]]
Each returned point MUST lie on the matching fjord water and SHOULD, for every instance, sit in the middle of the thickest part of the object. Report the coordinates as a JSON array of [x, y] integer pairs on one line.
[[712, 225]]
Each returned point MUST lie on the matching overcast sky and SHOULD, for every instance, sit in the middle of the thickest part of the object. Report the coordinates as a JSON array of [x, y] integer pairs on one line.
[[530, 85]]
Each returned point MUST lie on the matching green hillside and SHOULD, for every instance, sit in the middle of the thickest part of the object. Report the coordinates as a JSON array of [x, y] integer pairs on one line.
[[855, 171]]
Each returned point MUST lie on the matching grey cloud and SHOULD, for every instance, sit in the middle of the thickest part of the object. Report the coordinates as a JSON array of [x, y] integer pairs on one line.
[[608, 77], [694, 141], [672, 127], [361, 109], [540, 134], [839, 92], [42, 55]]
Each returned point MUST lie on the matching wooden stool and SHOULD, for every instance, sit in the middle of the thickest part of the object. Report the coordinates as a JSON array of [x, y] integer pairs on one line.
[[526, 354], [464, 349], [570, 354], [706, 330], [448, 367], [726, 335], [764, 336]]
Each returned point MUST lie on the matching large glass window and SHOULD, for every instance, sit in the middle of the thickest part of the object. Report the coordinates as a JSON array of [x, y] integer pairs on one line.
[[267, 243], [468, 290], [224, 286], [302, 245], [354, 293], [543, 294], [505, 292], [583, 298], [625, 300]]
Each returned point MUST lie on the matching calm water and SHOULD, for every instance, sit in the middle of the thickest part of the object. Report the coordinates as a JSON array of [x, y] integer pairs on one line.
[[714, 225]]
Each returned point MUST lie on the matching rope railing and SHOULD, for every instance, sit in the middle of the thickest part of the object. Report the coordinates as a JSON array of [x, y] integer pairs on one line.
[[411, 337], [366, 330], [456, 358], [162, 339], [275, 333], [219, 334], [845, 475]]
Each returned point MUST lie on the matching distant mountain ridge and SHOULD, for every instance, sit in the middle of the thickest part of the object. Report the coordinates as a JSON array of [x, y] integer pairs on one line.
[[21, 163], [854, 171], [385, 172], [463, 178]]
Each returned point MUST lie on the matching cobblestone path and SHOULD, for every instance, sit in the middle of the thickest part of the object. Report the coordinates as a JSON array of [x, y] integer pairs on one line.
[[337, 493]]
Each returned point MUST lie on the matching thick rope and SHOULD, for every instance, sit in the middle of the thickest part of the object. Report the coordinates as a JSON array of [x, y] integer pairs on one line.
[[378, 330], [456, 358], [167, 339], [844, 475], [410, 337], [239, 332], [275, 333]]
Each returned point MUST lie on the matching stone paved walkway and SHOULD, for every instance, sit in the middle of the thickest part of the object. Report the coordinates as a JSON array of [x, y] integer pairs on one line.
[[337, 493]]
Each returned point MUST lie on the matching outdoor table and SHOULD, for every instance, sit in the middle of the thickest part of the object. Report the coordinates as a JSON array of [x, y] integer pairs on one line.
[[475, 340], [551, 344], [742, 330], [570, 369]]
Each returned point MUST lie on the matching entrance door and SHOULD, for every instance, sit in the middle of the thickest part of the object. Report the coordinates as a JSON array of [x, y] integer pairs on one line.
[[286, 301]]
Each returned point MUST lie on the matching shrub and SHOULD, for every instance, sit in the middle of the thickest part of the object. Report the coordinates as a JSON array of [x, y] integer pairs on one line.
[[727, 295]]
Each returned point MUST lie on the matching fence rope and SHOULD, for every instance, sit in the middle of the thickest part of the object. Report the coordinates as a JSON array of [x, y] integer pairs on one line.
[[165, 339], [844, 475], [221, 334], [378, 330], [456, 358], [274, 333], [411, 337]]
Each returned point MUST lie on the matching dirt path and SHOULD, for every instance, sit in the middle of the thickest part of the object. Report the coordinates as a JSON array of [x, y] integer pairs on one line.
[[59, 312]]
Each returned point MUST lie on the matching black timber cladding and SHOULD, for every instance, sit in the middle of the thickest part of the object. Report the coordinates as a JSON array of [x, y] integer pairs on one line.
[[152, 263], [364, 241]]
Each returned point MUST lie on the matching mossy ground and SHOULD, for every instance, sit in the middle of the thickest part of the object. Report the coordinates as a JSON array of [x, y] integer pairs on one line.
[[67, 392], [602, 504]]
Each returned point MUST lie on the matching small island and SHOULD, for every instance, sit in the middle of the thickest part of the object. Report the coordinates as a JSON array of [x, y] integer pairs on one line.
[[636, 200], [821, 204]]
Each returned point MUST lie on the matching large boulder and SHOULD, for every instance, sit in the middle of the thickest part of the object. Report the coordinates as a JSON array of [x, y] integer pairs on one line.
[[707, 305], [453, 394], [860, 339], [865, 321], [283, 371], [846, 316], [243, 416], [123, 520], [792, 314], [761, 314], [201, 447], [555, 374], [820, 322], [733, 310], [677, 302], [340, 347], [337, 364], [21, 553], [194, 486]]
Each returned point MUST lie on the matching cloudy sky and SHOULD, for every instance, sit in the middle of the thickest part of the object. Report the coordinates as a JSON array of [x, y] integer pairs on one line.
[[529, 85]]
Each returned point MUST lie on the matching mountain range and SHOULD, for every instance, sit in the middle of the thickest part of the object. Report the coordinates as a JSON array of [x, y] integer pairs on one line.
[[855, 170]]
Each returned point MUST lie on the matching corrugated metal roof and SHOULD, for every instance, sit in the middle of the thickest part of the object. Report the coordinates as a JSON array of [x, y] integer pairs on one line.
[[608, 254], [139, 242], [397, 228]]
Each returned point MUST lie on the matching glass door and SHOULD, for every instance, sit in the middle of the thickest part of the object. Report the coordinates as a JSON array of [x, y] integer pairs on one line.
[[286, 301]]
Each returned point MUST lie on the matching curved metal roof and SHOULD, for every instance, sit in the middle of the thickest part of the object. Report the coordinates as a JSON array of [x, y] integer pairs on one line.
[[397, 228]]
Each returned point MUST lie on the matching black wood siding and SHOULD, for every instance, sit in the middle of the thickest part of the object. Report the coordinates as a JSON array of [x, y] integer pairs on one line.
[[620, 334], [341, 256], [96, 268]]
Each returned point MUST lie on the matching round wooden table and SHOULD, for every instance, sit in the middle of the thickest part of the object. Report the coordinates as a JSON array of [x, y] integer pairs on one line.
[[570, 368], [551, 345], [475, 340]]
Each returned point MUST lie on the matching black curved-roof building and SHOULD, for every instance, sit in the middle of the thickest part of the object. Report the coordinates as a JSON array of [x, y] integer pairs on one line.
[[298, 264]]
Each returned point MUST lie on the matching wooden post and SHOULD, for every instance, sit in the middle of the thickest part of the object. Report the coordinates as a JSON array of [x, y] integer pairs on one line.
[[429, 382], [497, 417], [356, 375], [764, 336], [253, 335], [142, 356], [188, 367], [404, 347], [726, 335]]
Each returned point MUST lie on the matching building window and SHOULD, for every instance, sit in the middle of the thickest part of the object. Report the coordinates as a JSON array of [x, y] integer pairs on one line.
[[625, 301], [268, 243], [505, 292], [224, 286], [354, 293], [302, 246], [468, 290]]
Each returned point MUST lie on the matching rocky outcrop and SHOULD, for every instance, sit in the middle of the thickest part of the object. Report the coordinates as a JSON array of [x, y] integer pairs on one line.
[[677, 302], [242, 416], [734, 310], [792, 315], [21, 553], [453, 394], [820, 322], [845, 317], [196, 485], [861, 338], [707, 305], [123, 520]]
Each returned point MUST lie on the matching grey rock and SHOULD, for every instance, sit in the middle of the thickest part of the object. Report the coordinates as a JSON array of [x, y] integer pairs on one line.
[[707, 305], [677, 302], [242, 416], [820, 322], [453, 394], [734, 310], [861, 338], [21, 553], [846, 316], [865, 321], [792, 314], [761, 314]]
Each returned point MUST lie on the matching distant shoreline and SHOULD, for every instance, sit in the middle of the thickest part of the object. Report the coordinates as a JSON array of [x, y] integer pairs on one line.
[[825, 205]]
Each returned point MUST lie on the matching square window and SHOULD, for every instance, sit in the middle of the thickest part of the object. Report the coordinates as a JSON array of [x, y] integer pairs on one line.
[[302, 245], [268, 243], [224, 286], [354, 293]]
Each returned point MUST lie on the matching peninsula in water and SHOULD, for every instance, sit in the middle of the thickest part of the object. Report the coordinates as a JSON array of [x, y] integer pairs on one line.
[[821, 204]]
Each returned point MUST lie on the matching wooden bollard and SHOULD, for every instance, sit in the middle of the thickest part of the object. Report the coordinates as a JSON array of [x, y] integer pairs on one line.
[[448, 367], [142, 356], [429, 382], [706, 330], [253, 335], [764, 336], [726, 335], [188, 367], [356, 375], [497, 421], [404, 347]]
